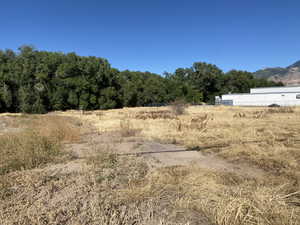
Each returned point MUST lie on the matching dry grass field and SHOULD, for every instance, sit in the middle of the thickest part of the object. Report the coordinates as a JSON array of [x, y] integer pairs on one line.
[[202, 165]]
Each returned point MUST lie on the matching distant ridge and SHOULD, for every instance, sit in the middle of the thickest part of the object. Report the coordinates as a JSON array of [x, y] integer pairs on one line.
[[289, 76]]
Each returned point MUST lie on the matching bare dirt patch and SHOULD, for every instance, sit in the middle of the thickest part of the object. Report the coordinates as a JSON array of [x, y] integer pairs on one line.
[[158, 155]]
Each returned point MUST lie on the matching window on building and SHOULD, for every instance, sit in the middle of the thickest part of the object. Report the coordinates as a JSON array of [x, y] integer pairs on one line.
[[298, 96], [227, 102]]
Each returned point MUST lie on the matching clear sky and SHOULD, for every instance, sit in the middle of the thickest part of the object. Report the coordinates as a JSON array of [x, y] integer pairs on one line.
[[159, 35]]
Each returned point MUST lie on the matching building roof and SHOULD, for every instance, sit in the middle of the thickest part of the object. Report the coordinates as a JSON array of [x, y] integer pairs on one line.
[[277, 87], [293, 92]]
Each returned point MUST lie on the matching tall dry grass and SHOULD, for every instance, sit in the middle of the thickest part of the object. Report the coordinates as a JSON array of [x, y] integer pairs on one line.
[[26, 150], [37, 143]]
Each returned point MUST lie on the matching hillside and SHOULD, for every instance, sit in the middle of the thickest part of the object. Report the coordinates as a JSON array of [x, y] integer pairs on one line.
[[289, 76]]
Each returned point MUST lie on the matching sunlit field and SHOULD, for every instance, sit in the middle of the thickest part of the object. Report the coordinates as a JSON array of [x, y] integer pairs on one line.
[[210, 165]]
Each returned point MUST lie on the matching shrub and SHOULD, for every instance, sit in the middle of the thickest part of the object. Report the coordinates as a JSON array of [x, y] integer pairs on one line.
[[178, 107]]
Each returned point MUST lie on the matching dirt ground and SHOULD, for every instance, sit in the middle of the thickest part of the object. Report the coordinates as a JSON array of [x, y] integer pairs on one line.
[[158, 155]]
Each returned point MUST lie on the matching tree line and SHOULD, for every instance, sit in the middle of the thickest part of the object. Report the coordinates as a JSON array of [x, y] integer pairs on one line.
[[33, 81]]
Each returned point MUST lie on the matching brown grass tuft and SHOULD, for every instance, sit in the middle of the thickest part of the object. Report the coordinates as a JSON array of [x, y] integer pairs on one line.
[[127, 130], [284, 109], [160, 114], [258, 205], [58, 127], [198, 123]]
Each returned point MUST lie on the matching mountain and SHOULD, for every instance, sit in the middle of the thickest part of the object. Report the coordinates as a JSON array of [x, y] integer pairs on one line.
[[290, 75]]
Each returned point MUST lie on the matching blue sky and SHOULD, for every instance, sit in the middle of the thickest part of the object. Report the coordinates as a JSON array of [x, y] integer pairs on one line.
[[159, 35]]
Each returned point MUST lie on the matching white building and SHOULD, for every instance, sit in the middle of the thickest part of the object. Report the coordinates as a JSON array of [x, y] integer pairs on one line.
[[283, 96]]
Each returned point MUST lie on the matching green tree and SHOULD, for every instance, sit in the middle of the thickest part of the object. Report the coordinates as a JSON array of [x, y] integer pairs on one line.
[[38, 81], [205, 77], [26, 99], [6, 96], [108, 98], [38, 106], [84, 101], [73, 99]]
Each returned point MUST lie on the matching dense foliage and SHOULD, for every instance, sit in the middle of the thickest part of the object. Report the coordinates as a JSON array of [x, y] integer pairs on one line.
[[210, 81], [39, 81]]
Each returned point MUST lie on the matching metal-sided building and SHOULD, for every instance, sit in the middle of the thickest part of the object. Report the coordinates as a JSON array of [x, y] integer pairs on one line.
[[283, 96]]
